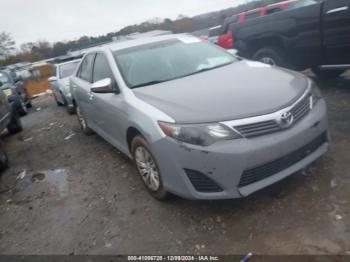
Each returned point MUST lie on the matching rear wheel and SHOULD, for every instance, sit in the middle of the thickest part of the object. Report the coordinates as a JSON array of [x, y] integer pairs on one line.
[[29, 104], [56, 100], [272, 56], [83, 124], [4, 162], [327, 74], [15, 125], [71, 110], [148, 169], [20, 106], [63, 99]]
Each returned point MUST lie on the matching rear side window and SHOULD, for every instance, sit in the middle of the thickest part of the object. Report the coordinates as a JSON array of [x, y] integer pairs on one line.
[[85, 71], [4, 79], [228, 22], [102, 69], [252, 15], [273, 10], [302, 3]]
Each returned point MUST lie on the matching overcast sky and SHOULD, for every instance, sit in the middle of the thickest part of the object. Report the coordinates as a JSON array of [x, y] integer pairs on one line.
[[57, 20]]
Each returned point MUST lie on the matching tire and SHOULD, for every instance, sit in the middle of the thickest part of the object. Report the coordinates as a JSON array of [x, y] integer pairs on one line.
[[29, 104], [4, 161], [57, 102], [83, 124], [20, 106], [157, 189], [327, 74], [15, 125], [272, 56], [71, 110], [64, 99]]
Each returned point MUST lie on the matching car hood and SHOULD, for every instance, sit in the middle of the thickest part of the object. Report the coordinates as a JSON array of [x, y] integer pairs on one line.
[[239, 90]]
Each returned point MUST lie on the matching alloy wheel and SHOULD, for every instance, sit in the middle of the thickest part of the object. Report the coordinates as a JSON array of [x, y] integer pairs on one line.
[[147, 168]]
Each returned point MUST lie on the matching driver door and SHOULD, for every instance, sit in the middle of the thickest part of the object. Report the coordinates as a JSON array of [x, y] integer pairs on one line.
[[108, 111], [336, 25]]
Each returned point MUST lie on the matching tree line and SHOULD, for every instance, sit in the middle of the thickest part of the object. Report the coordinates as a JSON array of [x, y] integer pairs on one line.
[[34, 51]]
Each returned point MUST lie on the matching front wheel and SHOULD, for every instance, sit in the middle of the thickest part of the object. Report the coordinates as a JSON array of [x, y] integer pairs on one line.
[[148, 169], [15, 125]]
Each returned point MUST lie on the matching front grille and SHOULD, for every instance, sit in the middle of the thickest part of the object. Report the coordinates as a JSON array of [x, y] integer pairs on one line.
[[258, 129], [256, 174], [301, 109], [202, 183]]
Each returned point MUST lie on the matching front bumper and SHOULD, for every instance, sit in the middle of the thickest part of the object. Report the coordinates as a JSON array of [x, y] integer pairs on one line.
[[226, 161]]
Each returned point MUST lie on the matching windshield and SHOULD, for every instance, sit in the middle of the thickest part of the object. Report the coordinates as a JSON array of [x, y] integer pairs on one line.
[[4, 79], [168, 60], [67, 70]]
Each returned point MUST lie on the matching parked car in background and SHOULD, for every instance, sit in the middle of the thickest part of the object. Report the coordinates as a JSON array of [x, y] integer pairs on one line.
[[60, 84], [298, 35], [192, 117], [15, 92], [10, 120]]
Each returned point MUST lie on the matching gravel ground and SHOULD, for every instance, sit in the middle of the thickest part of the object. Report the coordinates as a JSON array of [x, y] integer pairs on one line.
[[66, 193]]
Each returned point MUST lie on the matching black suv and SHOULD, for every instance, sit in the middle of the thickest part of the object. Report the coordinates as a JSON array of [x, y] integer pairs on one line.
[[9, 119], [15, 92]]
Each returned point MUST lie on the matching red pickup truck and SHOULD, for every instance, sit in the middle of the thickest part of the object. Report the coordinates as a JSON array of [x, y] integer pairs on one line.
[[225, 40], [297, 34]]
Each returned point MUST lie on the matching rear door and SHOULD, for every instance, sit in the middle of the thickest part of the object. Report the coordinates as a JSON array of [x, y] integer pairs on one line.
[[336, 31], [81, 86]]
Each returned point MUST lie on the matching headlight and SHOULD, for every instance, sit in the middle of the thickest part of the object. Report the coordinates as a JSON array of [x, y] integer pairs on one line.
[[8, 92], [315, 93], [199, 134]]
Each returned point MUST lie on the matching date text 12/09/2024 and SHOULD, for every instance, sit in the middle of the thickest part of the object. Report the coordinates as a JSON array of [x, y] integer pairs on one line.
[[173, 258]]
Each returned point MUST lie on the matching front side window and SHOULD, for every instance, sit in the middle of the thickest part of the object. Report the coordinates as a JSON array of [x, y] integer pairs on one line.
[[167, 60], [67, 70], [102, 69], [252, 15], [85, 71]]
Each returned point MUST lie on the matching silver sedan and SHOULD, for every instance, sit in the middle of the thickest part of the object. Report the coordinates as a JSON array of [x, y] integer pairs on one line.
[[198, 121]]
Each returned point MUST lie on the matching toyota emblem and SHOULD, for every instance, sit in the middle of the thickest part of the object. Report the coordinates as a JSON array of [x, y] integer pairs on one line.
[[287, 119]]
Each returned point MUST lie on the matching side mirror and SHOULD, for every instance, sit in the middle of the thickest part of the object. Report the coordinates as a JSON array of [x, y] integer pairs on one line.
[[233, 51], [52, 79], [103, 86]]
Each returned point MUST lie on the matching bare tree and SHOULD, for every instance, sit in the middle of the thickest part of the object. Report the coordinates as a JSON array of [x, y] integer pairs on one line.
[[6, 44]]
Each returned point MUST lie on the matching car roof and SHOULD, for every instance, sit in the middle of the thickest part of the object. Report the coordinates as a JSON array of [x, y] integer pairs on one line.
[[68, 62], [280, 3], [143, 41]]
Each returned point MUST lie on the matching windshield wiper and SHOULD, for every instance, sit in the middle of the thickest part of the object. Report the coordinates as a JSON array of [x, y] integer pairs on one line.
[[153, 82], [207, 69]]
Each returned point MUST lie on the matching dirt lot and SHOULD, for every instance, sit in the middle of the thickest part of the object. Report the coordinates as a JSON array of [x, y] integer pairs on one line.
[[66, 193]]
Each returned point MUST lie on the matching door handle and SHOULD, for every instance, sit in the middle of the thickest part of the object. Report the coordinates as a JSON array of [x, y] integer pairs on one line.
[[336, 10]]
